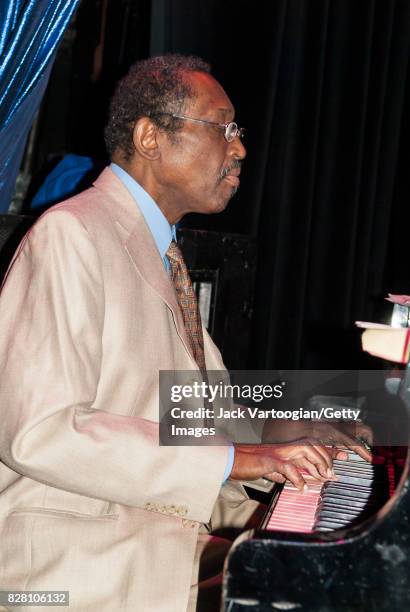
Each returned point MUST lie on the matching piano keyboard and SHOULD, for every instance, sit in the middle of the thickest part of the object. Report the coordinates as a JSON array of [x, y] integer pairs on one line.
[[360, 489]]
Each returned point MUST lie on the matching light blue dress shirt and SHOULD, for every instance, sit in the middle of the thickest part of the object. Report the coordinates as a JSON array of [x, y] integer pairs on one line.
[[163, 233]]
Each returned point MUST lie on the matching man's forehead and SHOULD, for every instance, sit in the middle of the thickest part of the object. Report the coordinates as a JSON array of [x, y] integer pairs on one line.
[[210, 96]]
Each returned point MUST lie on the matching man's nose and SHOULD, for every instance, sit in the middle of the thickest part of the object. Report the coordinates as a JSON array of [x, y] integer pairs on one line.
[[237, 148]]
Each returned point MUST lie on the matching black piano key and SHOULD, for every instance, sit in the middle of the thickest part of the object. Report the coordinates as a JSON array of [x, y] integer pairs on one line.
[[330, 524], [324, 529], [363, 479], [354, 493], [341, 517], [353, 508], [354, 465], [353, 502], [352, 470]]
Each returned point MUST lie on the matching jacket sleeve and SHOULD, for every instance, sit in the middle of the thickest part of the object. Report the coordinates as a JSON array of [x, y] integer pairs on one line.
[[51, 328]]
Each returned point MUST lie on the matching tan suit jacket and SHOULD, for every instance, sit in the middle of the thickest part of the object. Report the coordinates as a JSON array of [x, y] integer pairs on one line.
[[89, 502]]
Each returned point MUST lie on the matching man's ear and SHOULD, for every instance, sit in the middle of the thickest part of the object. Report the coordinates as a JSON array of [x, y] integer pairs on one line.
[[145, 138]]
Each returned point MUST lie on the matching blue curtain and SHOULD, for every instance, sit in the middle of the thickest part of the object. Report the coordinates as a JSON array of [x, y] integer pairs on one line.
[[30, 31]]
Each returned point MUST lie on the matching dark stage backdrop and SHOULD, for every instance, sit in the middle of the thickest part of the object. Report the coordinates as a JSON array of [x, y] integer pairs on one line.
[[322, 87]]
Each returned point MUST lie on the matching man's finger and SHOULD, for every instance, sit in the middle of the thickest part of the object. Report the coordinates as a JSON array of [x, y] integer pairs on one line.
[[325, 453], [341, 455], [320, 457], [292, 473], [337, 453], [313, 470], [365, 432], [275, 477], [356, 447]]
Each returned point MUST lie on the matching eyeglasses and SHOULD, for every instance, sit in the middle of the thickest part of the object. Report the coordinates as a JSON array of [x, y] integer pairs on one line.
[[231, 130]]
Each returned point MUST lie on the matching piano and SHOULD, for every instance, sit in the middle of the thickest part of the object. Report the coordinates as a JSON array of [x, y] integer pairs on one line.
[[340, 546]]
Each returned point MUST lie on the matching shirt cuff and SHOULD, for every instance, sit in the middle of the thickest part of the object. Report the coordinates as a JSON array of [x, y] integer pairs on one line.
[[229, 465]]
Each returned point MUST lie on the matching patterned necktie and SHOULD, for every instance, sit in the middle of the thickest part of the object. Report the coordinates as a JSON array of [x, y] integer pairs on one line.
[[188, 303]]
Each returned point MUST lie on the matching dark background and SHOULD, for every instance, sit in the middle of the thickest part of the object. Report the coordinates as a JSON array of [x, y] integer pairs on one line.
[[322, 87]]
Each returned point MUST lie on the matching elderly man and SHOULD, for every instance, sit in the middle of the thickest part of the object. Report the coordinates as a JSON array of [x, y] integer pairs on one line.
[[89, 314]]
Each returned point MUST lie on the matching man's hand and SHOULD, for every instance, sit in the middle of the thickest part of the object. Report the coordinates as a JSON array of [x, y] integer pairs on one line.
[[344, 434], [284, 461], [325, 433]]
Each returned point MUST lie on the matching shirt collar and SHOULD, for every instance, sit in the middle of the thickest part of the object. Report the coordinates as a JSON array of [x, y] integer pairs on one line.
[[163, 233]]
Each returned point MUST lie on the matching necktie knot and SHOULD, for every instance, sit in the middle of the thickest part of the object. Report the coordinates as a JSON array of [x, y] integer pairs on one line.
[[174, 252], [176, 259]]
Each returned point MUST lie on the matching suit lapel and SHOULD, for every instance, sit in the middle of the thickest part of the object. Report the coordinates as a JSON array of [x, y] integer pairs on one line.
[[141, 248], [140, 245]]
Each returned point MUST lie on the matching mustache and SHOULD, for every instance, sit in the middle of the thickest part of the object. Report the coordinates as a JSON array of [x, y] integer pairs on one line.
[[225, 171]]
